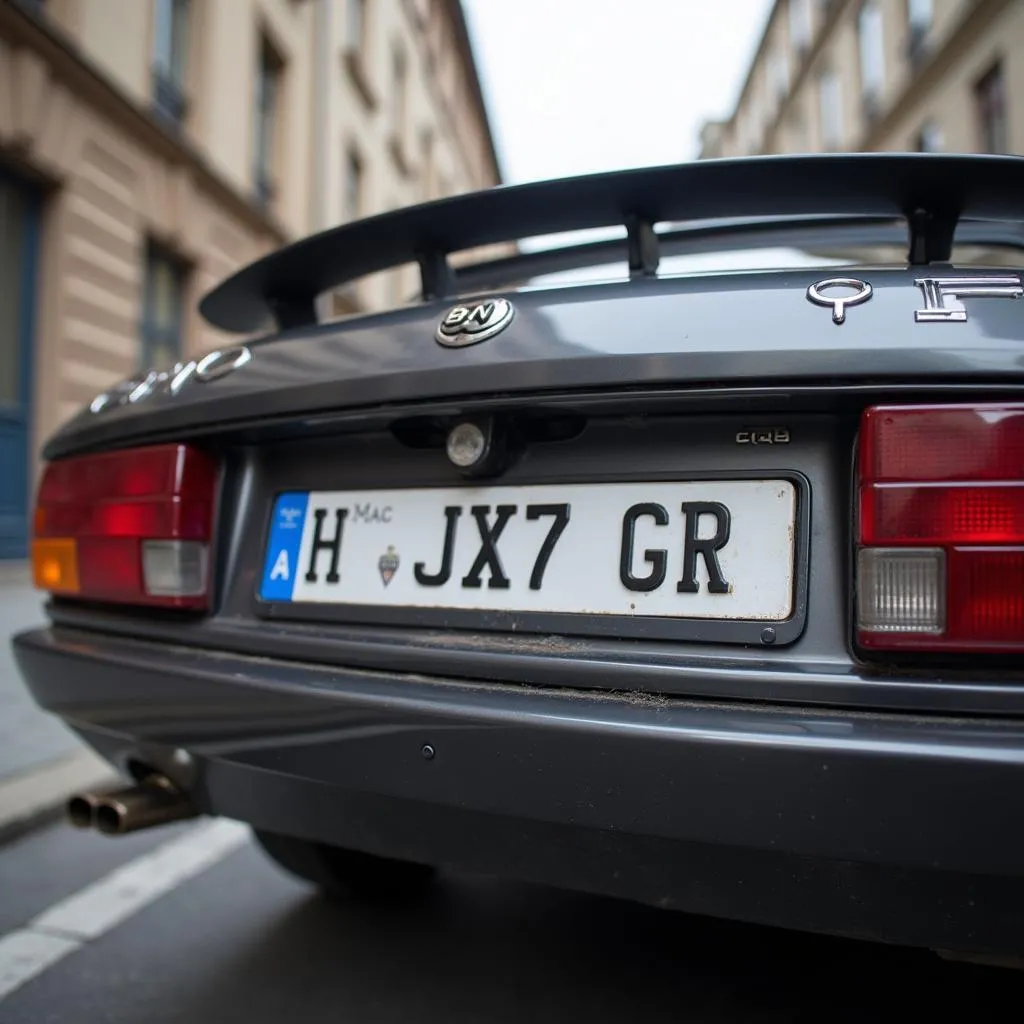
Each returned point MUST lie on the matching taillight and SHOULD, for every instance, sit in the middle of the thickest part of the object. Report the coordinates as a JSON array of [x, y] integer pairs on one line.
[[132, 527], [940, 561]]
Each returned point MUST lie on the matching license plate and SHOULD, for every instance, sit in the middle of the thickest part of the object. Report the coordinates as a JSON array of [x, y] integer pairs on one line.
[[708, 549]]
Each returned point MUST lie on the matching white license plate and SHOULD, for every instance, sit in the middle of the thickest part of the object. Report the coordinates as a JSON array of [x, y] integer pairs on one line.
[[709, 549]]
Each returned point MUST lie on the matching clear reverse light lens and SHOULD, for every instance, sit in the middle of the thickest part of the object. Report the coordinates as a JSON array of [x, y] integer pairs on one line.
[[174, 568], [901, 590], [466, 445]]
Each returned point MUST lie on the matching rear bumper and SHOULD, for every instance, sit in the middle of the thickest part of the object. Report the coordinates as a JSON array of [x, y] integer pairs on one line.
[[894, 827]]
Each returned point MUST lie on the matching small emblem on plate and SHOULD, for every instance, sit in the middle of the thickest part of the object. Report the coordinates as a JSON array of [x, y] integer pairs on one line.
[[467, 325], [388, 564]]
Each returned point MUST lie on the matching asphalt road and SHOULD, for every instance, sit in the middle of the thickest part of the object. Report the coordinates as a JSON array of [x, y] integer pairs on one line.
[[240, 941]]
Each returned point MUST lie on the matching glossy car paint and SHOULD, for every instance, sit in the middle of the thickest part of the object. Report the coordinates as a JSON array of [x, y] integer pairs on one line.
[[754, 330], [894, 827], [783, 779]]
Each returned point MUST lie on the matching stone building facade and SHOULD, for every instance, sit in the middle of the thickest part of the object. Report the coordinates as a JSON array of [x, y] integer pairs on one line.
[[150, 147], [871, 75]]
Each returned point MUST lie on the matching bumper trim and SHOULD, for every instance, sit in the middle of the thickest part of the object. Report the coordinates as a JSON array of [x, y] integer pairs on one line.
[[939, 793], [892, 827], [572, 662]]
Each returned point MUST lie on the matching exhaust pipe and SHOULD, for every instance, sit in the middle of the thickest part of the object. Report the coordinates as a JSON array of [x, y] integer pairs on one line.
[[82, 809], [154, 801]]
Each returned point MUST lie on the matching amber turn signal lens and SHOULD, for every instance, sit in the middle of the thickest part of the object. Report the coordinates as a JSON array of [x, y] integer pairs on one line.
[[55, 565]]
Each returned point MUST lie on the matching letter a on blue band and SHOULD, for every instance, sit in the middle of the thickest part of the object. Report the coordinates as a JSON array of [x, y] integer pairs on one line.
[[281, 566]]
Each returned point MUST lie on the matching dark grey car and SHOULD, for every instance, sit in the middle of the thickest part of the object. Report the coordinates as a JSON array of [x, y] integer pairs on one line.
[[703, 590]]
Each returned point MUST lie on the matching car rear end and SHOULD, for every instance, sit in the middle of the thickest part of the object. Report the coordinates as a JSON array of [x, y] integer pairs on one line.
[[699, 590]]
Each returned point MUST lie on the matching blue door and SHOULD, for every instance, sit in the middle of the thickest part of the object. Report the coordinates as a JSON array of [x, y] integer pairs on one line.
[[19, 217]]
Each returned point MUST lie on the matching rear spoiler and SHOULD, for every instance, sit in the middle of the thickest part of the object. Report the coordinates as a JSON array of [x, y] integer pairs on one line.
[[738, 201]]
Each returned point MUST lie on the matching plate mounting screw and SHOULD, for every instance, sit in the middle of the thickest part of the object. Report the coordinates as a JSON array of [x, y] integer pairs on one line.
[[768, 635], [427, 751]]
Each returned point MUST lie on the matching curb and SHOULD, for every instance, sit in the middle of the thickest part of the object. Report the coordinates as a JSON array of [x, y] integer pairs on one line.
[[15, 574], [38, 796]]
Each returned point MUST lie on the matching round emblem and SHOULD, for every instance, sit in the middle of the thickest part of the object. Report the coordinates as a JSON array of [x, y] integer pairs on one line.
[[466, 325]]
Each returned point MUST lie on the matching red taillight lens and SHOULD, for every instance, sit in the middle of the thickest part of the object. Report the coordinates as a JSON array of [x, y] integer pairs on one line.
[[989, 588], [941, 528], [132, 527], [928, 443], [947, 514]]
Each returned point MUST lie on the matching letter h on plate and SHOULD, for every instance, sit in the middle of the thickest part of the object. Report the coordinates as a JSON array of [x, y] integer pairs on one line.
[[322, 543]]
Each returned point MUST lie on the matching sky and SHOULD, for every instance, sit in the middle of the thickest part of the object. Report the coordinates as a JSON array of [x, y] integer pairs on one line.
[[576, 86], [582, 86]]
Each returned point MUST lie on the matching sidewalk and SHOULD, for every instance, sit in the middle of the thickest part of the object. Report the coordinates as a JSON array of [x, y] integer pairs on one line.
[[41, 761]]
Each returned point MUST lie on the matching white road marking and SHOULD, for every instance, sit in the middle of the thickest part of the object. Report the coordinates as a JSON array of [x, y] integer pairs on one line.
[[88, 913], [24, 954]]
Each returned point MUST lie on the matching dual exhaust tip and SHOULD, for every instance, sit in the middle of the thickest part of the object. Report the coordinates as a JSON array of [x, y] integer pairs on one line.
[[116, 812]]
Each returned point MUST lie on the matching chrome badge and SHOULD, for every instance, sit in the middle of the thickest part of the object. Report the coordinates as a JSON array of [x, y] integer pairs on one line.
[[764, 435], [862, 292], [467, 325], [212, 366], [937, 289]]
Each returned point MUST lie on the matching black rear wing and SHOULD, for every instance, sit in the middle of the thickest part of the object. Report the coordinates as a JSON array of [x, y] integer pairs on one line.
[[746, 202]]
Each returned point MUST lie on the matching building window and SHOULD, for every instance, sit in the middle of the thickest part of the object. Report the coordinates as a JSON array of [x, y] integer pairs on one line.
[[756, 125], [930, 138], [399, 77], [830, 97], [919, 22], [357, 30], [778, 75], [794, 129], [170, 40], [267, 100], [19, 236], [399, 100], [13, 219], [990, 101], [162, 302], [355, 24], [353, 200], [800, 26], [427, 163], [871, 46]]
